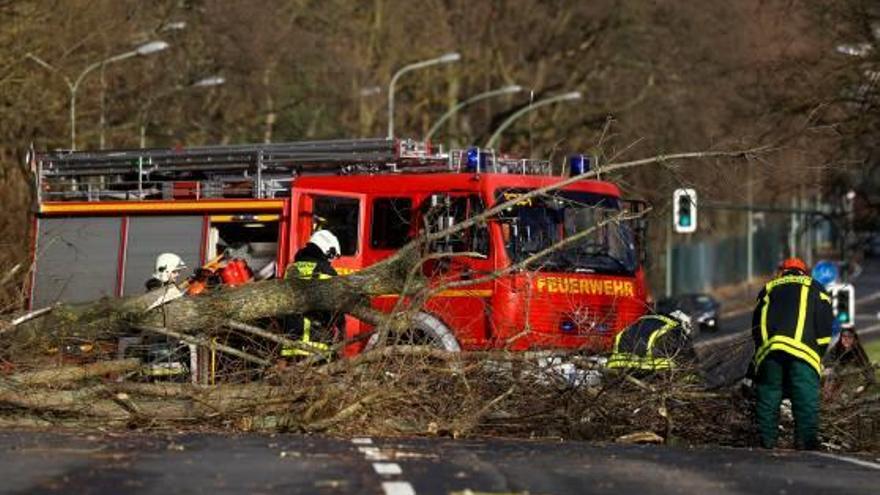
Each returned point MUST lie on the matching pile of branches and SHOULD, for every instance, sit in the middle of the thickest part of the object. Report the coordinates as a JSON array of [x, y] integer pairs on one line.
[[411, 390]]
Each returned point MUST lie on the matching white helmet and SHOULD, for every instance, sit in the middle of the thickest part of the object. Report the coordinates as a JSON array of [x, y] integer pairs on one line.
[[167, 264], [327, 243], [682, 317]]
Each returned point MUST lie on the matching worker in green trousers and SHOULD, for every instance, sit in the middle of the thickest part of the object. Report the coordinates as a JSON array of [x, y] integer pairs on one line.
[[791, 329]]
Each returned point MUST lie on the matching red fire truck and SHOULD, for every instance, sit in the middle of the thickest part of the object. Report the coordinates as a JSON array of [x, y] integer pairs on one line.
[[104, 216]]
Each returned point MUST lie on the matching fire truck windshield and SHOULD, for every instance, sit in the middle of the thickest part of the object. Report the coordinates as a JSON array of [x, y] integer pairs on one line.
[[604, 245]]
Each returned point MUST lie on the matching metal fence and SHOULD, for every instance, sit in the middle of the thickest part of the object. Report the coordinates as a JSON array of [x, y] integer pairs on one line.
[[711, 263]]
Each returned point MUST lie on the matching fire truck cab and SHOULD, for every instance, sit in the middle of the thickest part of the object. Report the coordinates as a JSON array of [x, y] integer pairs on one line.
[[104, 216]]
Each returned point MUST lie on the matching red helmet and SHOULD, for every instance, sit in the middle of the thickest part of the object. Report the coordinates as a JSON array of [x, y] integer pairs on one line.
[[793, 264]]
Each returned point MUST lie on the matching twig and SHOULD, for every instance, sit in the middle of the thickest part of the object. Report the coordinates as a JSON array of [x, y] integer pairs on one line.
[[5, 327]]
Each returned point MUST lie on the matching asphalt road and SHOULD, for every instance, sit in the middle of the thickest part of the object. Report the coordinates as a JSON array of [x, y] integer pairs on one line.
[[218, 464]]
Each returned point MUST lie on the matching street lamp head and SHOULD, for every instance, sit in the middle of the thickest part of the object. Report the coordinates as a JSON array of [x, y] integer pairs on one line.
[[209, 81], [513, 88], [174, 26], [449, 57], [574, 95], [152, 47], [370, 90]]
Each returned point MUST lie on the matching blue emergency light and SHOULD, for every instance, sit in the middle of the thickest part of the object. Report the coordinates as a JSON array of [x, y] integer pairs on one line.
[[475, 159], [579, 164]]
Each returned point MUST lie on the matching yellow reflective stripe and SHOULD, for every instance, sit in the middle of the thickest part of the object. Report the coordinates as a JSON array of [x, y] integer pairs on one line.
[[823, 340], [625, 360], [243, 218], [791, 346], [306, 270], [788, 279], [802, 314], [793, 343], [657, 334], [617, 338], [824, 297], [317, 348], [764, 316], [466, 293], [307, 330]]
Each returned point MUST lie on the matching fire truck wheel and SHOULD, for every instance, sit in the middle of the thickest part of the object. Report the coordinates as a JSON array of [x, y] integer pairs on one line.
[[426, 330]]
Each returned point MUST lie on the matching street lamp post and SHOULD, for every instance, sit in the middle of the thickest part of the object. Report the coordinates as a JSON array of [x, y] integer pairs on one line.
[[482, 96], [443, 59], [574, 95], [73, 86], [206, 82]]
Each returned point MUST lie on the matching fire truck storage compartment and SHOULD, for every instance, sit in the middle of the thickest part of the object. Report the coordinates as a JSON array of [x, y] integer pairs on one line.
[[77, 259], [150, 236], [253, 238]]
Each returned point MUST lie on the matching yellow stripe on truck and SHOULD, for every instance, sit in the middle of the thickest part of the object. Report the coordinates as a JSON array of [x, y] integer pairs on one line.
[[125, 207], [456, 293]]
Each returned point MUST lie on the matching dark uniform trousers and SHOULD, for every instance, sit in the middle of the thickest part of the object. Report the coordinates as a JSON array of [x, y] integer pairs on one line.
[[791, 329]]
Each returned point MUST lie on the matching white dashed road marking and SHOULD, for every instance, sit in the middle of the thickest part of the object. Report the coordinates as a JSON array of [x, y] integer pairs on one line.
[[373, 453], [387, 468], [384, 469], [398, 488]]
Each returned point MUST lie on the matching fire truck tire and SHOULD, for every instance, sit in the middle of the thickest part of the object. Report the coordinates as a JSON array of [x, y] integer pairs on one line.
[[427, 329]]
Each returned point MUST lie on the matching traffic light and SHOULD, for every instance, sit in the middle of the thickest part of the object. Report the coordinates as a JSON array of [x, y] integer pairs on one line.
[[684, 211], [843, 301]]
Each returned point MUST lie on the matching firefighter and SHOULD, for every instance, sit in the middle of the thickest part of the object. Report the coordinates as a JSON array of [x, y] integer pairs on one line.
[[791, 327], [313, 262], [655, 342], [168, 267]]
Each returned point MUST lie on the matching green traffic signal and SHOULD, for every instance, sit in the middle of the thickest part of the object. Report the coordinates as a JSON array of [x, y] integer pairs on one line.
[[684, 211]]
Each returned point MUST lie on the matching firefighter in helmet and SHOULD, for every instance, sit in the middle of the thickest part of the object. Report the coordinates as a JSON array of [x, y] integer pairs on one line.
[[654, 342], [167, 271], [314, 329], [791, 327]]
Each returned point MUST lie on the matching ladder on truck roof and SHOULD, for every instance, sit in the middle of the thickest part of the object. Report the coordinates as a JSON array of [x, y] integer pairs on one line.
[[246, 170], [235, 171]]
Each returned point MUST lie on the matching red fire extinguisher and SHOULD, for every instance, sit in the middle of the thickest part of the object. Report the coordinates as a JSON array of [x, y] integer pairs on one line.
[[236, 272]]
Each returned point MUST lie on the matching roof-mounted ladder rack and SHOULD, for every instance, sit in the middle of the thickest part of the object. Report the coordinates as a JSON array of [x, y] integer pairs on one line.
[[248, 170]]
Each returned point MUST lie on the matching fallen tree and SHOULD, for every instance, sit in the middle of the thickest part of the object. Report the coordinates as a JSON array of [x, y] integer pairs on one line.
[[386, 390]]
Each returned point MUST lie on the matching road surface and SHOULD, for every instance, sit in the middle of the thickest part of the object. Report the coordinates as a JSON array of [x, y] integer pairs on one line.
[[219, 464]]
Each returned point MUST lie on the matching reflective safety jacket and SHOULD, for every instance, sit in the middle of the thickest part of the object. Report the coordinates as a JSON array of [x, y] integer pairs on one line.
[[794, 316], [309, 263], [652, 343]]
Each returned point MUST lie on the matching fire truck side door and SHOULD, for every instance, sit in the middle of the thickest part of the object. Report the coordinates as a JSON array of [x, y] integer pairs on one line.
[[464, 308]]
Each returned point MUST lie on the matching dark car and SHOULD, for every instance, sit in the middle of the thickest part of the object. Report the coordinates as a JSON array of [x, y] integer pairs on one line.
[[704, 310], [872, 246]]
